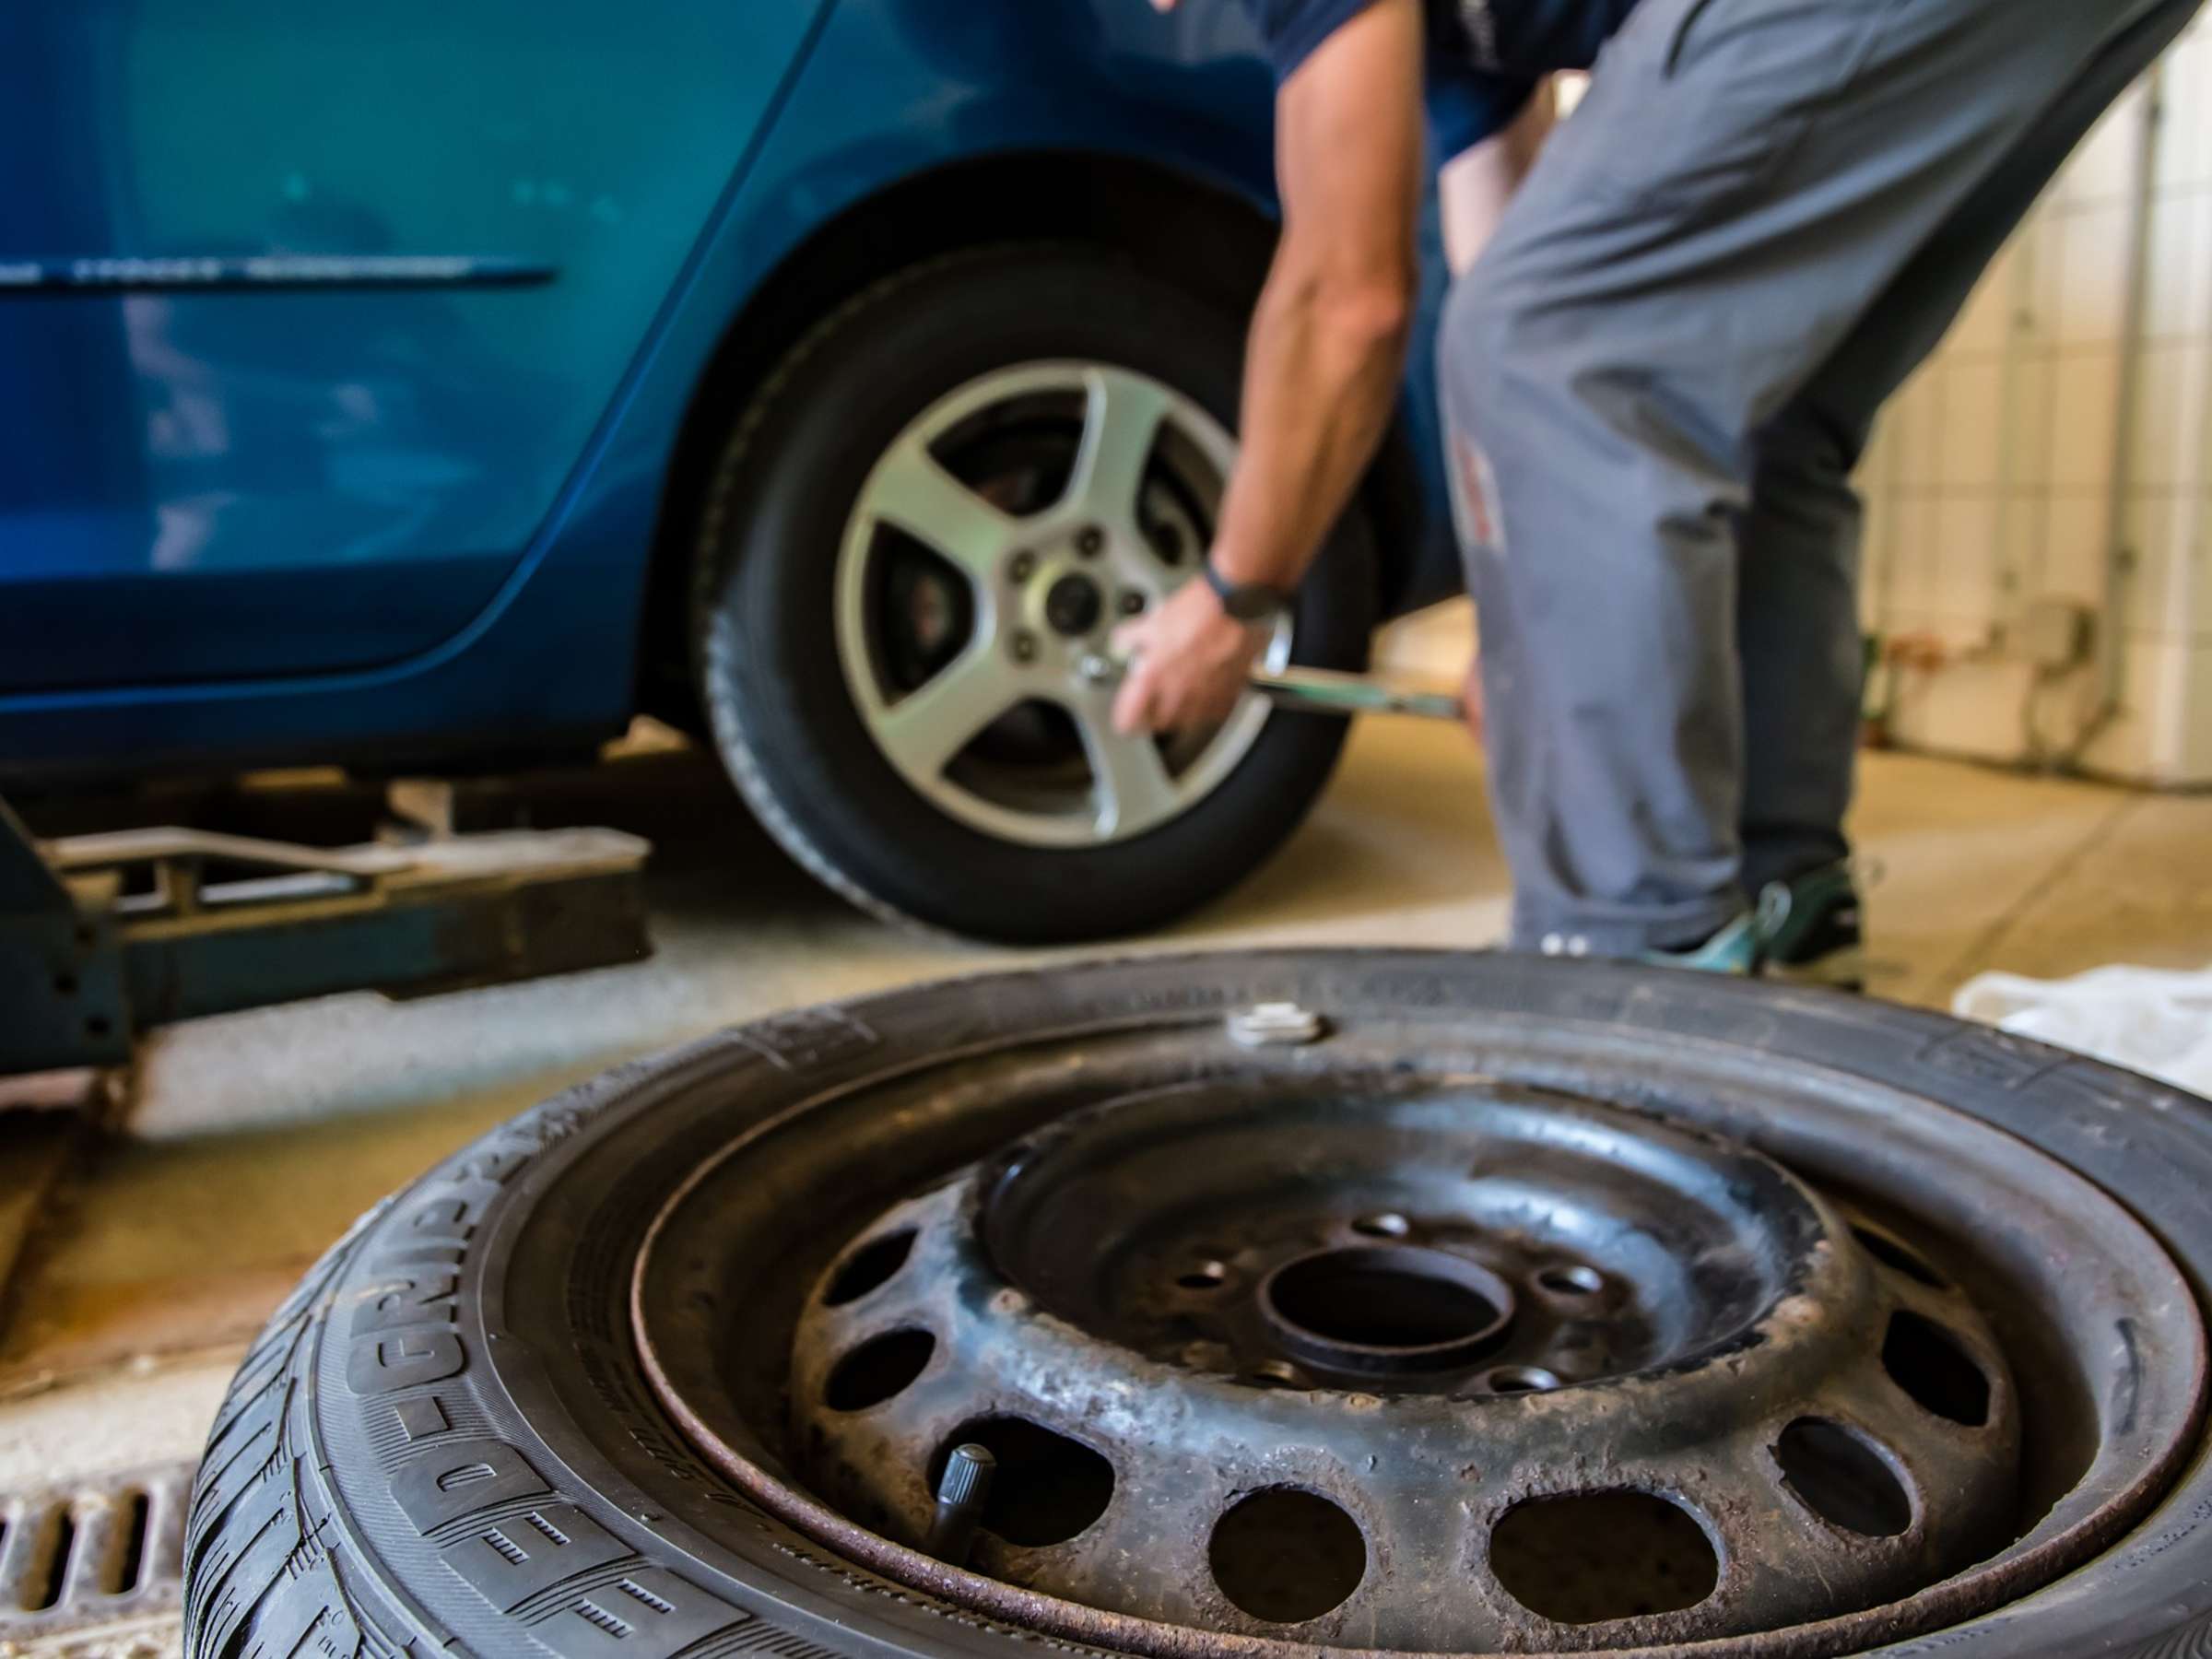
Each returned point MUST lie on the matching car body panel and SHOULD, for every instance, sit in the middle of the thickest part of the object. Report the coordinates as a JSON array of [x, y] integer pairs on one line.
[[284, 476], [436, 607]]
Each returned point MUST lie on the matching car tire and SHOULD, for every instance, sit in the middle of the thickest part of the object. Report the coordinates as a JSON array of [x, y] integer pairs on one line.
[[782, 701], [464, 1362]]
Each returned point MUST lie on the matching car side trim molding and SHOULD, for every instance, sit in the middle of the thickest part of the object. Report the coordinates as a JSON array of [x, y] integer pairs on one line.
[[186, 273]]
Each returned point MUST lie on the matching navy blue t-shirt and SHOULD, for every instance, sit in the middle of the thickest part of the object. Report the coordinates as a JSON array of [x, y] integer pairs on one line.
[[1485, 56]]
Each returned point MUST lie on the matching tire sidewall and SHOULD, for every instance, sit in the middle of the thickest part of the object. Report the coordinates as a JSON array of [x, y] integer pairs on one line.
[[541, 1216], [775, 686]]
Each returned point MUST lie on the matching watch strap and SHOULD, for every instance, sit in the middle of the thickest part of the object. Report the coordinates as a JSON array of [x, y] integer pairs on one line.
[[1245, 600]]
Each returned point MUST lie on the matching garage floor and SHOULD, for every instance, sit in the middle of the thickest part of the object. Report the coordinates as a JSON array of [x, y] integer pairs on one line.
[[248, 1142]]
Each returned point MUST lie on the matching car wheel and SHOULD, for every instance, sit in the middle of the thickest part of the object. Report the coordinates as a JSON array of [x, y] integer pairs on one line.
[[921, 536], [1305, 1301]]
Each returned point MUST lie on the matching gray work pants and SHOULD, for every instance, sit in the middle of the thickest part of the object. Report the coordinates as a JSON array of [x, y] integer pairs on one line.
[[1659, 377]]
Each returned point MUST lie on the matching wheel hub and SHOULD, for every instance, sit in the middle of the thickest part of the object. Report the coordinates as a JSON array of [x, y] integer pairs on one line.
[[987, 552], [1073, 607], [1531, 1362]]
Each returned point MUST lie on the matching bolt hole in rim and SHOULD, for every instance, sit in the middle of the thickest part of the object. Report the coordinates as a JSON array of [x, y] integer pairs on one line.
[[880, 1368], [1286, 1556], [1389, 1224], [1573, 1281], [1842, 1475], [869, 1267], [971, 679], [1817, 1467], [1596, 1558], [1891, 1253], [1933, 1366], [1518, 1380]]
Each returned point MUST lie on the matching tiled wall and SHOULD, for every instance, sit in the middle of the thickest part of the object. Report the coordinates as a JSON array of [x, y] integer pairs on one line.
[[1992, 483]]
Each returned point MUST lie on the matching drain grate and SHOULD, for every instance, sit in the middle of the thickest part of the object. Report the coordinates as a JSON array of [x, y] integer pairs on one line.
[[92, 1553]]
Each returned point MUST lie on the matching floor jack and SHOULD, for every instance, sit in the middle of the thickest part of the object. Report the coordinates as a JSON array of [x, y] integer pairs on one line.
[[103, 937]]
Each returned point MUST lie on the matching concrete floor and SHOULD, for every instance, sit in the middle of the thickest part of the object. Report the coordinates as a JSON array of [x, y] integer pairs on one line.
[[249, 1141]]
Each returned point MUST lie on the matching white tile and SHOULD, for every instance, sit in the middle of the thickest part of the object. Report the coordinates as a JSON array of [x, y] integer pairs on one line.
[[1915, 416], [2194, 739], [1963, 588], [2030, 420], [1970, 708], [2169, 391], [1987, 323], [2090, 299], [2073, 551], [2036, 247], [1911, 578], [2085, 400], [2103, 169], [2177, 302], [2182, 154], [2145, 743], [2196, 555], [1973, 424], [2020, 552], [2158, 527]]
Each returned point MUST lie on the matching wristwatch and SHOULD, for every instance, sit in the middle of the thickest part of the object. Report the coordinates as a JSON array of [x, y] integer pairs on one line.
[[1244, 601]]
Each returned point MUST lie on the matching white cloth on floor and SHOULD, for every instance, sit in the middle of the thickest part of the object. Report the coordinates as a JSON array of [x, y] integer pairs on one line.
[[2155, 1020]]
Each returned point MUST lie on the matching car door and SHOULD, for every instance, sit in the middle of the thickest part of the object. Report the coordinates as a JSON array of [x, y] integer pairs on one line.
[[308, 312]]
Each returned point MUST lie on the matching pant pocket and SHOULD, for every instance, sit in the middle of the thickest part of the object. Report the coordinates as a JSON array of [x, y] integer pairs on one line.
[[1705, 102]]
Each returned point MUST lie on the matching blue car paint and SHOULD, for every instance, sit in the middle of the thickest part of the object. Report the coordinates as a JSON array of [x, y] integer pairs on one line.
[[451, 551]]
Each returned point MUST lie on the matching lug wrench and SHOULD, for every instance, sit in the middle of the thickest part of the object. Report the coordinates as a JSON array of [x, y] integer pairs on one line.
[[1322, 690]]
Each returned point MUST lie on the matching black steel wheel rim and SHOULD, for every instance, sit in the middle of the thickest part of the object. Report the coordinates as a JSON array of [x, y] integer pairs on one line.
[[2098, 1368]]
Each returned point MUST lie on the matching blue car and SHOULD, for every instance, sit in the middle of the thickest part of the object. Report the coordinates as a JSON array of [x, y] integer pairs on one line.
[[426, 387]]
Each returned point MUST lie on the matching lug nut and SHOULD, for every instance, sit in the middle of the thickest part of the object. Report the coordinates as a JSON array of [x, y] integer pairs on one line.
[[1090, 541], [1132, 602], [1021, 566], [1024, 645]]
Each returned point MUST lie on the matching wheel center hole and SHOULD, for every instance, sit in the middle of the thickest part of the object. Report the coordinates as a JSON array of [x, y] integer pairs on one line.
[[1072, 604], [1357, 1304]]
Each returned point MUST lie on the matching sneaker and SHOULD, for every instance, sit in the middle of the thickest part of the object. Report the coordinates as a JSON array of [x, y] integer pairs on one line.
[[1810, 930], [1734, 950]]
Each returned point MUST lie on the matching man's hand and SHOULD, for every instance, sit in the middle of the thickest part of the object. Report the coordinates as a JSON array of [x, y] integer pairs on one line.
[[1190, 658]]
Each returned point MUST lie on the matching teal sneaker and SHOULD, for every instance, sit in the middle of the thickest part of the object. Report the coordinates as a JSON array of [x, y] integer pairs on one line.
[[1734, 950], [1809, 929]]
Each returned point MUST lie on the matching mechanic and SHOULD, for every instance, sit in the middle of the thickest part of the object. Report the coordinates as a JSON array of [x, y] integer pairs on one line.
[[1658, 377]]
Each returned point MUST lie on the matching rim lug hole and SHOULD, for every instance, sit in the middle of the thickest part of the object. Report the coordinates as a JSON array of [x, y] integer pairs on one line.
[[1024, 645], [1131, 603], [1383, 1224], [1021, 567], [1205, 1276], [1576, 1281], [1090, 541]]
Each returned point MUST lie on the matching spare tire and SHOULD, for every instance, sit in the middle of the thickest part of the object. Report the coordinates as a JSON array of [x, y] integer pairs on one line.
[[1881, 1328]]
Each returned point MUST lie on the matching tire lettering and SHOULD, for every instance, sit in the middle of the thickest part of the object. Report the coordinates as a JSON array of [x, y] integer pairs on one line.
[[421, 1416], [649, 1615], [459, 1478], [383, 1365], [510, 1563], [408, 1298]]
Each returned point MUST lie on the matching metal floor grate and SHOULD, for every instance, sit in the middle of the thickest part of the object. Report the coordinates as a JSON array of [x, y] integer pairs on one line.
[[93, 1552]]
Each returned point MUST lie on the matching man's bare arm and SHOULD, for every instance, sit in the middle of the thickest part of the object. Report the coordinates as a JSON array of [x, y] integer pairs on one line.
[[1328, 340], [1326, 351]]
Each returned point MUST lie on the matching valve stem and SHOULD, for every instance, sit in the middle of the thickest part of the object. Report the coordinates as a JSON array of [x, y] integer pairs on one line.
[[961, 1490]]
